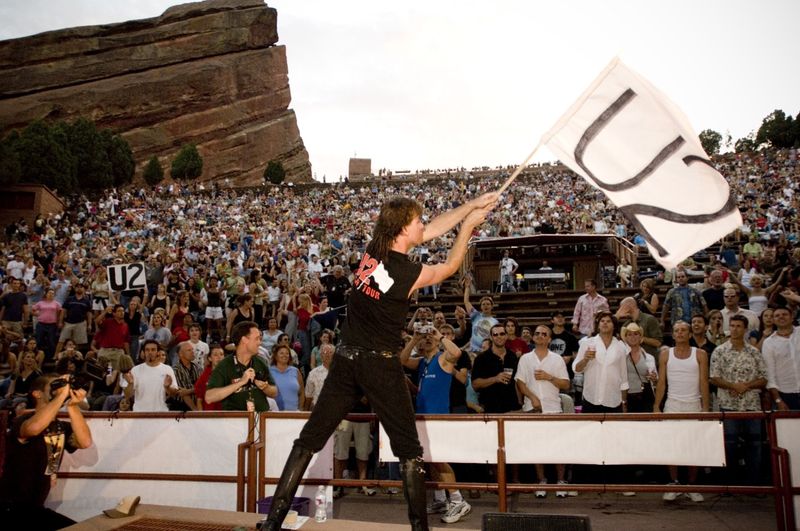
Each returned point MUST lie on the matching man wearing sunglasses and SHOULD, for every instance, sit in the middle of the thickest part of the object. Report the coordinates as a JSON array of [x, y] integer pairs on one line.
[[493, 374]]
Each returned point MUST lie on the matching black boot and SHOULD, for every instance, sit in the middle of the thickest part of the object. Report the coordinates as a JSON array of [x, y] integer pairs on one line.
[[293, 471], [413, 473]]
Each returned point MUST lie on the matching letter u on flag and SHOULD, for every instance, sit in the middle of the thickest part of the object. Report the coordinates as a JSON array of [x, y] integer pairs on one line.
[[627, 139]]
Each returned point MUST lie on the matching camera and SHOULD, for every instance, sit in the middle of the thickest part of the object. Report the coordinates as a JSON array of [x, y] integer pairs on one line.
[[92, 371], [78, 381], [423, 328]]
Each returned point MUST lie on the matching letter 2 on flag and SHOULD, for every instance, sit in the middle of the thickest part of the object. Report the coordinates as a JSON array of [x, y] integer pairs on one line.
[[627, 139], [122, 277]]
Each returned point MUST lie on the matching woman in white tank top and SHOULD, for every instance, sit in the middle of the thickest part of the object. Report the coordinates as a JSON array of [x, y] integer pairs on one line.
[[757, 294]]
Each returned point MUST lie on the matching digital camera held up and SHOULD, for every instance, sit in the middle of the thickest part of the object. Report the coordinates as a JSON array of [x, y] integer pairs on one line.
[[423, 328], [79, 381]]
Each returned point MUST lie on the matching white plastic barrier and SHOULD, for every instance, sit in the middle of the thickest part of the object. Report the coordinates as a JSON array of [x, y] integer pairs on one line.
[[454, 441], [134, 444], [280, 435], [674, 442], [788, 432]]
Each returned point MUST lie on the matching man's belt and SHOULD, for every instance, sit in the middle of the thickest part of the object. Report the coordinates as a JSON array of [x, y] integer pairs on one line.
[[352, 353]]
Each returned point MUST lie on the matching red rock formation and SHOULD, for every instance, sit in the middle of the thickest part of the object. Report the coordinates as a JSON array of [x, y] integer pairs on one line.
[[207, 73]]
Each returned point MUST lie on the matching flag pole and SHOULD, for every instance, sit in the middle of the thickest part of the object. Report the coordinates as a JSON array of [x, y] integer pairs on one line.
[[519, 169]]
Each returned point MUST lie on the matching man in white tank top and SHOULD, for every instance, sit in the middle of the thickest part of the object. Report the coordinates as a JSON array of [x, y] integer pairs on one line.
[[685, 369]]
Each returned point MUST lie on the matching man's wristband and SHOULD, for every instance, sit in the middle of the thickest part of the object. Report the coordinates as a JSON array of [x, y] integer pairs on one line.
[[778, 400]]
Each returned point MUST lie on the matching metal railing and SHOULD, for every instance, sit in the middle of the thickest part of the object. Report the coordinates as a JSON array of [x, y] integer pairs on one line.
[[781, 489]]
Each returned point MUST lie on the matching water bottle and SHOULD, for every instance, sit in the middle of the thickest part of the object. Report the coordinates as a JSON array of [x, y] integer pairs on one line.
[[321, 501]]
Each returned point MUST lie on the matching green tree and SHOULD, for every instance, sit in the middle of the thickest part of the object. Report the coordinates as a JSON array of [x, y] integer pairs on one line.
[[153, 172], [188, 164], [10, 167], [745, 144], [796, 130], [776, 130], [91, 152], [710, 140], [274, 172], [121, 156], [45, 158]]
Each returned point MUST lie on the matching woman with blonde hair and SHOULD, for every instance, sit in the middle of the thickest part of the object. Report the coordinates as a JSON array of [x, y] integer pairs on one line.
[[102, 296], [160, 300], [27, 372], [642, 373], [757, 295]]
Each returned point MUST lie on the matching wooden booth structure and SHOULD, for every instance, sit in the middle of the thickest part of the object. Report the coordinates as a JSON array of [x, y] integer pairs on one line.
[[550, 261]]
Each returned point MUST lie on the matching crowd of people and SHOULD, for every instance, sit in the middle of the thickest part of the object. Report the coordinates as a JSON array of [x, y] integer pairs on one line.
[[246, 293]]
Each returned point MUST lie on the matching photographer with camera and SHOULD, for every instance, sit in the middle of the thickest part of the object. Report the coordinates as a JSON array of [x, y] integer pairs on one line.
[[34, 448]]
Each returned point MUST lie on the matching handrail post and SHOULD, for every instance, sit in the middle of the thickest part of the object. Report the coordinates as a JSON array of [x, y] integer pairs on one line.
[[502, 502], [251, 467], [262, 456], [240, 475], [788, 497]]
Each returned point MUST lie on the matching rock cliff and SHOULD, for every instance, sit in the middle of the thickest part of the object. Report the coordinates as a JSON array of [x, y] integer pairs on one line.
[[208, 73]]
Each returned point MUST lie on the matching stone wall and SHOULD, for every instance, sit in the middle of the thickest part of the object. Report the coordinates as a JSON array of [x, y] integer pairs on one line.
[[208, 73]]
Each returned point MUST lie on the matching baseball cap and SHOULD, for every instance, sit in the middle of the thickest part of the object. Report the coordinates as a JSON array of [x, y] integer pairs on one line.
[[126, 507]]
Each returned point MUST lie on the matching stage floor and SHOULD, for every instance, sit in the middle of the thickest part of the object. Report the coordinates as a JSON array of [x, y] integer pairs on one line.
[[607, 512]]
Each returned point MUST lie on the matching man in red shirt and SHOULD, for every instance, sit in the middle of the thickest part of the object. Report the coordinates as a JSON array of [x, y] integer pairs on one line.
[[113, 336]]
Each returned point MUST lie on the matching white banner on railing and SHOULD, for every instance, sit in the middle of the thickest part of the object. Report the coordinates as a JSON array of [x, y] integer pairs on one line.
[[450, 441], [281, 434], [142, 445], [667, 442], [618, 442]]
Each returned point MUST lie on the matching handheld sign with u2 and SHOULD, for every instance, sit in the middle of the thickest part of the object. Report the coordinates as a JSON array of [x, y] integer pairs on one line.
[[123, 277]]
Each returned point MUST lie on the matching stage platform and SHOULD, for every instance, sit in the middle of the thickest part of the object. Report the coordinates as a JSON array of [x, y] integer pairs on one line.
[[166, 518], [608, 512]]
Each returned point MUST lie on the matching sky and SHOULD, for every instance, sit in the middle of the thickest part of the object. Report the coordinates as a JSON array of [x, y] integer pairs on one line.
[[446, 84]]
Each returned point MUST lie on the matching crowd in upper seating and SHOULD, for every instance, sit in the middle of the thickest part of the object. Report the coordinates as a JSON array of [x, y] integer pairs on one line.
[[284, 257]]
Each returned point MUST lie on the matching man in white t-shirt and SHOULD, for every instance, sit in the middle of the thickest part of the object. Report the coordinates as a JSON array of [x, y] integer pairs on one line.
[[781, 351], [15, 268], [150, 383], [314, 265], [200, 347], [541, 376], [508, 266], [313, 248], [731, 297], [273, 297]]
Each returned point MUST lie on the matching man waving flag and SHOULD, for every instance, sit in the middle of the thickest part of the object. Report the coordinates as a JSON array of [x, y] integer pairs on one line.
[[634, 144]]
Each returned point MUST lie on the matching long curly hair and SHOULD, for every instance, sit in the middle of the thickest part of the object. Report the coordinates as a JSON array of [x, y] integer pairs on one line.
[[395, 214]]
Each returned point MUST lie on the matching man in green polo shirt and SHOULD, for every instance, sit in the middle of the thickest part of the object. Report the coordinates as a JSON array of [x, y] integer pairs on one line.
[[242, 382]]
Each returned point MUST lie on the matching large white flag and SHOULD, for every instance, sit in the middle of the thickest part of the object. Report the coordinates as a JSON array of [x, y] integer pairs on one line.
[[627, 139]]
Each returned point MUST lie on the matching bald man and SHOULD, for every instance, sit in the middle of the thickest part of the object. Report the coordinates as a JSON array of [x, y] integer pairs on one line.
[[652, 336]]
